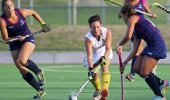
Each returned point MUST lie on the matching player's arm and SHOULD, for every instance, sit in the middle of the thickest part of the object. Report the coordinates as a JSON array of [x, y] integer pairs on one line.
[[136, 45], [147, 8], [108, 44], [31, 12], [130, 28], [3, 29], [89, 46]]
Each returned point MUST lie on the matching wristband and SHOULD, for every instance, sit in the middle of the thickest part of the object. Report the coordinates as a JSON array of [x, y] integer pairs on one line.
[[118, 45], [125, 62], [42, 23]]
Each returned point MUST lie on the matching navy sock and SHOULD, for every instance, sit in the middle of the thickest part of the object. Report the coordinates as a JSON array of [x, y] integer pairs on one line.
[[132, 65], [32, 66], [153, 84], [31, 80], [160, 82]]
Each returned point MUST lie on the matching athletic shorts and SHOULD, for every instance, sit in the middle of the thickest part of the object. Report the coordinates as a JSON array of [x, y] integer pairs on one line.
[[159, 53], [18, 44]]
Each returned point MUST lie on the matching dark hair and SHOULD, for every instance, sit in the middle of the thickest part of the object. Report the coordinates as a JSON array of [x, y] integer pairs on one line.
[[94, 18], [3, 4], [127, 10]]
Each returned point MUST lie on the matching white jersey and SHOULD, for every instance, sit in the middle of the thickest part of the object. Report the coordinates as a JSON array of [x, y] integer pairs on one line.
[[98, 46]]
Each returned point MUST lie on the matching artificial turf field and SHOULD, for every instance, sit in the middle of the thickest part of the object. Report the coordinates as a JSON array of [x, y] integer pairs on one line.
[[63, 79]]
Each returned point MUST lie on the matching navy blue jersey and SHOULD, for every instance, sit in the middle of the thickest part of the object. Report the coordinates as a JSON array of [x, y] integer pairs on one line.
[[146, 30], [18, 28], [140, 6]]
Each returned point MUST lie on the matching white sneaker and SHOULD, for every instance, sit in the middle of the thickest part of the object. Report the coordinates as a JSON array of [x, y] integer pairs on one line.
[[96, 95], [130, 77], [158, 98]]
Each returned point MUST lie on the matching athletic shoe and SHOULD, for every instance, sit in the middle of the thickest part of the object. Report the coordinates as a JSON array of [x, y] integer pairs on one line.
[[104, 93], [96, 95], [164, 86], [39, 94], [130, 77], [41, 78], [103, 98], [158, 98]]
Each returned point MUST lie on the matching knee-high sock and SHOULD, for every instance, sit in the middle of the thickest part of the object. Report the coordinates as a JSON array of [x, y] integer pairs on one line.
[[105, 80], [31, 80], [160, 82], [32, 66], [96, 83], [153, 84], [132, 65]]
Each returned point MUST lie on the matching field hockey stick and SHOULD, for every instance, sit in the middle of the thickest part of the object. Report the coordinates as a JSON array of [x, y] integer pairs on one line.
[[15, 39], [121, 77], [136, 10], [74, 95], [154, 5]]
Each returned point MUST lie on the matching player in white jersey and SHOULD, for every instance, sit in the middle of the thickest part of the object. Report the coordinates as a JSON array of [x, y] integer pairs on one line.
[[98, 45]]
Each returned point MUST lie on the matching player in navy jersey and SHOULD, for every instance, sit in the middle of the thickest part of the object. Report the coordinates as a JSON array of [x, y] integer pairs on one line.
[[141, 5], [13, 25], [149, 57]]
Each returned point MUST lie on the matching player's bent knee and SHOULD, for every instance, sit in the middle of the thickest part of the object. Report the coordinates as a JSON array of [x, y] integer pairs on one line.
[[22, 70], [144, 74], [22, 62]]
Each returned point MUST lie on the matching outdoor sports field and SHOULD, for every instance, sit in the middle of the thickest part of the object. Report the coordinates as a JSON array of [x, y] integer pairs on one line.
[[63, 79]]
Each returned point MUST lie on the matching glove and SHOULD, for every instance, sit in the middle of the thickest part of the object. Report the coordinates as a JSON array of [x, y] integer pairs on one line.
[[45, 27], [102, 60], [91, 75]]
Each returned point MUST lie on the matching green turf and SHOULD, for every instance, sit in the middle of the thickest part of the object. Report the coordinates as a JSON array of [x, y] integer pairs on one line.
[[63, 79]]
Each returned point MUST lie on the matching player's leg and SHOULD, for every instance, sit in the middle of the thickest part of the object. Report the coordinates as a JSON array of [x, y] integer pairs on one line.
[[154, 69], [146, 72], [25, 52], [105, 80], [33, 67], [97, 86], [131, 75], [39, 72]]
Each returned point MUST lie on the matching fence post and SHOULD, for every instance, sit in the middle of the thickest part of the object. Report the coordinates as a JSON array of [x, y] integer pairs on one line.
[[168, 15], [19, 3], [69, 12], [74, 11], [31, 18]]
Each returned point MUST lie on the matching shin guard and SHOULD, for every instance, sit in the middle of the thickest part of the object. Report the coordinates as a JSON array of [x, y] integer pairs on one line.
[[32, 66], [153, 84], [96, 83], [31, 80]]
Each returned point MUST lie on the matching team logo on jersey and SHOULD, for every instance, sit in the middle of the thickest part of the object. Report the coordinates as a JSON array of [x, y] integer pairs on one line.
[[140, 7], [32, 40], [150, 53], [22, 22], [11, 27]]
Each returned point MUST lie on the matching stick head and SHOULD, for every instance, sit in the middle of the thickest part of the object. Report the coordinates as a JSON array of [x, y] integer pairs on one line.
[[154, 5], [72, 96]]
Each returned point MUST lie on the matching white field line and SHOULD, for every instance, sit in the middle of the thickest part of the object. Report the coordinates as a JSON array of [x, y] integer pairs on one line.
[[64, 69], [57, 82]]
